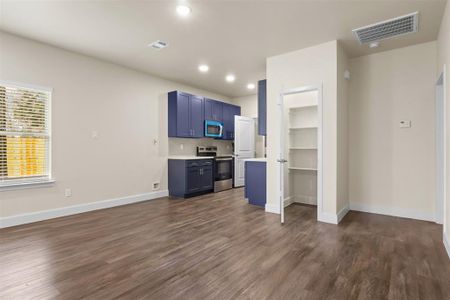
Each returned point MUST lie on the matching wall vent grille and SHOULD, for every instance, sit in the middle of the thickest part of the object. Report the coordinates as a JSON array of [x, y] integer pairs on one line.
[[388, 29]]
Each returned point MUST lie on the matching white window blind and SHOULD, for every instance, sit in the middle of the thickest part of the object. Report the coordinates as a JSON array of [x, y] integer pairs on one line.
[[24, 135]]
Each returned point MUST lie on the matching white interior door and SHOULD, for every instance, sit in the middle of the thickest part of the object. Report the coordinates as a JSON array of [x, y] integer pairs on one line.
[[244, 146]]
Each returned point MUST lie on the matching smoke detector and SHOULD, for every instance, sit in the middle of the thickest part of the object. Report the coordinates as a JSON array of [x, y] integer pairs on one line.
[[158, 45], [387, 29]]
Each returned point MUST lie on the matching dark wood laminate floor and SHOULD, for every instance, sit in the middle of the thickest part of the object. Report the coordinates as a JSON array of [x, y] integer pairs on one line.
[[218, 247]]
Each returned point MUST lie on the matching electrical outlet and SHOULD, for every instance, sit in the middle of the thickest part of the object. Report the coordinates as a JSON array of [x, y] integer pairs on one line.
[[68, 192], [155, 185], [181, 146]]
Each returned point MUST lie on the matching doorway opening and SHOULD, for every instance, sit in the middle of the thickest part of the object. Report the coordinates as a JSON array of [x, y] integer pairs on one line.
[[300, 157], [440, 149]]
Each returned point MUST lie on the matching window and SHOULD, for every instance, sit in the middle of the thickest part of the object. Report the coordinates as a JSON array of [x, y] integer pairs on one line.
[[24, 135]]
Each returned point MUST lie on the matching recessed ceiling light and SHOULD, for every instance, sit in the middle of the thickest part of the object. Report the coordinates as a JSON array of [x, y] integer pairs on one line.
[[183, 10], [250, 86], [203, 68], [230, 78]]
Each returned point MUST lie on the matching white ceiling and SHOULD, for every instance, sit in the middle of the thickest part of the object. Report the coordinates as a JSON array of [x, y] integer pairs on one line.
[[229, 36]]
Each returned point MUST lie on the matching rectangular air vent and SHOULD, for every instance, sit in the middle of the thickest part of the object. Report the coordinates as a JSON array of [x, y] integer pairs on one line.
[[158, 45], [388, 29]]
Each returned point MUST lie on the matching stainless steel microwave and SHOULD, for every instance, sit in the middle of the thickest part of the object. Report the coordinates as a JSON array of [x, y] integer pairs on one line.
[[213, 129]]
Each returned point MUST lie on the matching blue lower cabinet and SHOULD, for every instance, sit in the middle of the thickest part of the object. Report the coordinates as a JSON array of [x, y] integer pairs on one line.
[[255, 182], [190, 177]]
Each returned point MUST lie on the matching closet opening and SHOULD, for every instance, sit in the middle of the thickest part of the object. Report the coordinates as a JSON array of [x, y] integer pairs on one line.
[[300, 157]]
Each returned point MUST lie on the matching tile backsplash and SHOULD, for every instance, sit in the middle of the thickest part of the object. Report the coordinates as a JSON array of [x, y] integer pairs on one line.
[[180, 146]]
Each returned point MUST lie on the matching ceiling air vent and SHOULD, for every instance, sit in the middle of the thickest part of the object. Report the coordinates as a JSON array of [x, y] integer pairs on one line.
[[387, 29], [158, 45]]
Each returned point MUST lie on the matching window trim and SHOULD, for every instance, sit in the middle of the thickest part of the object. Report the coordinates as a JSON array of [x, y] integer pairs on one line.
[[16, 184]]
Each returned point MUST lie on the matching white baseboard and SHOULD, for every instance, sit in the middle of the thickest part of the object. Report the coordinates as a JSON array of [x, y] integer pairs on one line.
[[341, 214], [326, 217], [288, 201], [446, 244], [76, 209], [304, 199], [274, 209], [392, 211]]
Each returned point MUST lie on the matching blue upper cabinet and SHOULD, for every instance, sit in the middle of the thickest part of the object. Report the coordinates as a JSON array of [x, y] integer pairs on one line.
[[262, 107], [186, 115], [213, 110], [229, 111]]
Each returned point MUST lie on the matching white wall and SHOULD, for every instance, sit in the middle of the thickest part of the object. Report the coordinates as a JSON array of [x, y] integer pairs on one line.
[[392, 170], [309, 66], [248, 104], [443, 49], [342, 132], [127, 108]]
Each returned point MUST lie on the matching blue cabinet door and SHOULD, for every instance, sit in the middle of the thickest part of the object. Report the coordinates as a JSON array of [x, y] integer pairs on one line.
[[229, 111], [196, 116], [235, 111], [213, 110], [208, 103], [183, 121], [255, 182], [194, 180], [185, 115], [262, 106], [217, 111], [207, 178]]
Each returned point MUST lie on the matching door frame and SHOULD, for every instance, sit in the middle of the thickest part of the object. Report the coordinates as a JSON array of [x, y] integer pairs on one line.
[[441, 208], [281, 158]]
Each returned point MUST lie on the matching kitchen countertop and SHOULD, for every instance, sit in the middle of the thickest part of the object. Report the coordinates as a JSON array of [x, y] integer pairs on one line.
[[260, 159], [187, 157]]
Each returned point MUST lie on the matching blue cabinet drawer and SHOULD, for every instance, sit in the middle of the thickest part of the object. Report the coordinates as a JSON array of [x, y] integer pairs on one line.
[[198, 163]]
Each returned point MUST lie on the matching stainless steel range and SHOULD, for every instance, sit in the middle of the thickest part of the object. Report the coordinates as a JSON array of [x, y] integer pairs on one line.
[[223, 168]]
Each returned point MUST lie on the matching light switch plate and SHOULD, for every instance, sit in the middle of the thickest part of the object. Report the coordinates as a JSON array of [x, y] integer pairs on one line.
[[405, 124]]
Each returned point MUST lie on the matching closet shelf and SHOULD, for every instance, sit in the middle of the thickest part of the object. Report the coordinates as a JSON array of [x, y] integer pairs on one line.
[[303, 148], [303, 169], [302, 107], [303, 127]]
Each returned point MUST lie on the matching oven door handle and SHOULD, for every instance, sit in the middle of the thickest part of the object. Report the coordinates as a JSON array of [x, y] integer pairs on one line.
[[223, 159]]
